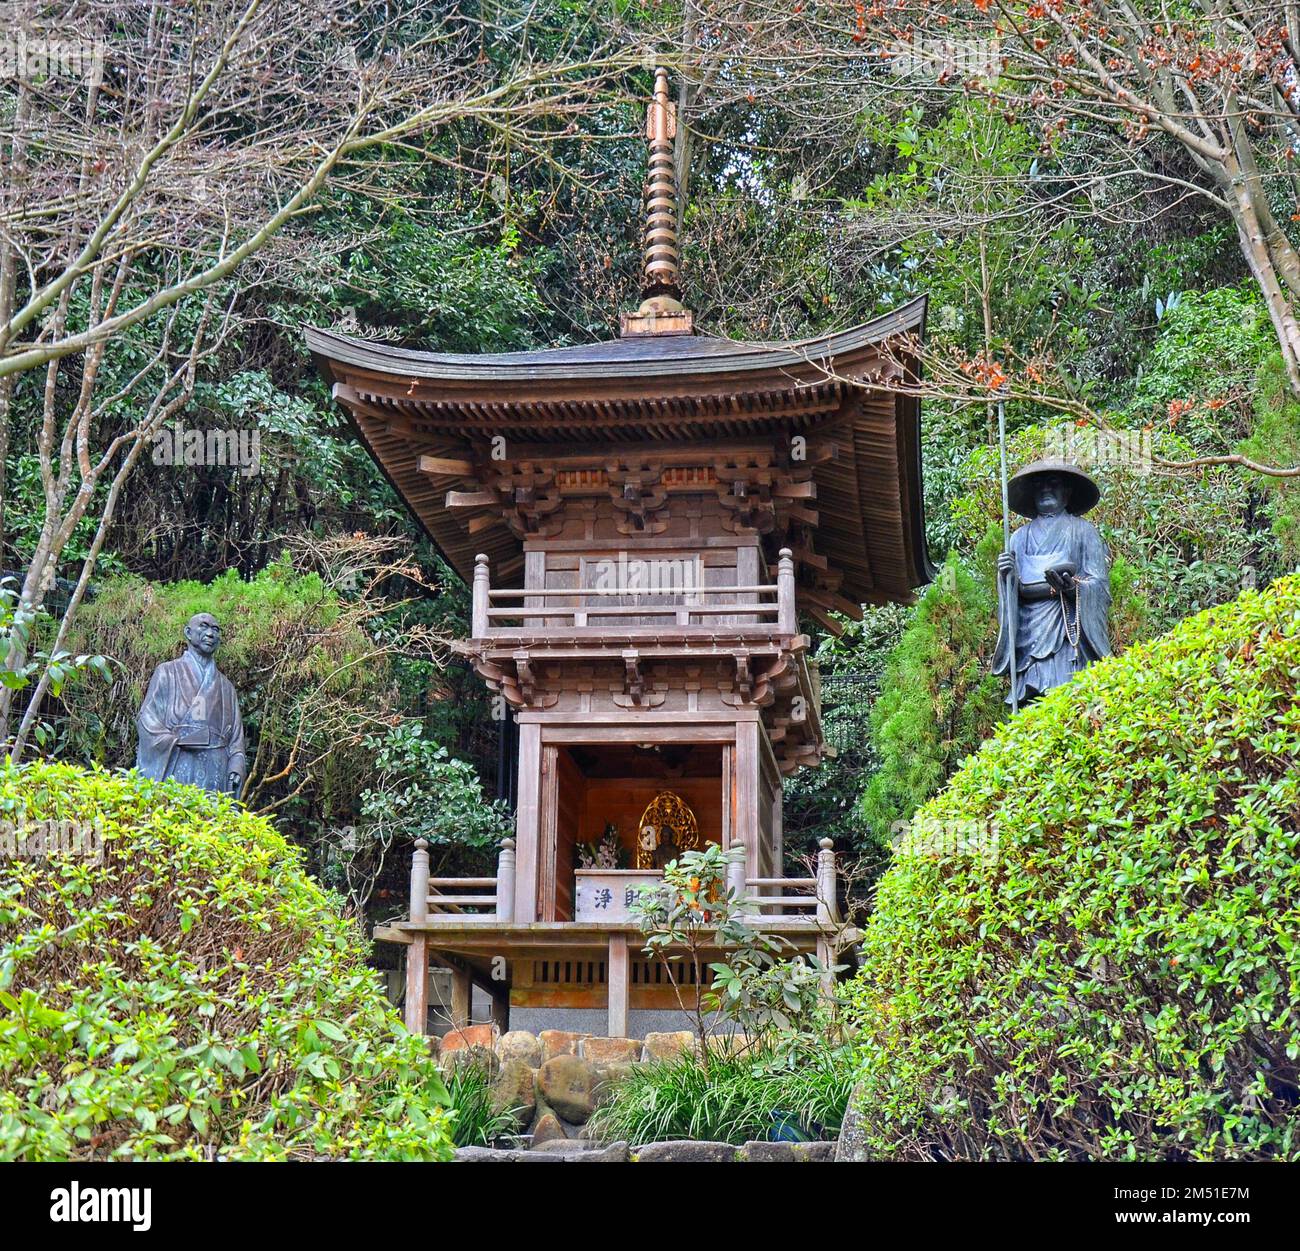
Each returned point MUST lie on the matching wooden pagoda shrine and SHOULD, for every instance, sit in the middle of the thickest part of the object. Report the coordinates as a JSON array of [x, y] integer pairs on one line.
[[643, 522]]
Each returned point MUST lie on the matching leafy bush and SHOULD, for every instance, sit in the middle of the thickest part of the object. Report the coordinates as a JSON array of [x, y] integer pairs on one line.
[[341, 698], [938, 700], [728, 1098], [189, 993], [1213, 340], [1275, 440], [1118, 975], [762, 983]]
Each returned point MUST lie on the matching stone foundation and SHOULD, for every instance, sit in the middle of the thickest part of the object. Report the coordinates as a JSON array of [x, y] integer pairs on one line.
[[553, 1081], [580, 1152]]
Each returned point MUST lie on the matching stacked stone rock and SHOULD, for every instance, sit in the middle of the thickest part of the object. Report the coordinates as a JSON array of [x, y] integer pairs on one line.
[[555, 1080]]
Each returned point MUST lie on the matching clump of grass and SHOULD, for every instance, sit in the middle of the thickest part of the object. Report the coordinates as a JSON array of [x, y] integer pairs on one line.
[[725, 1098], [478, 1119]]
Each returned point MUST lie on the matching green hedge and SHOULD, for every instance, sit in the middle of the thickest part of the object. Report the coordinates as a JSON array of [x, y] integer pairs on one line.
[[1089, 944], [193, 994]]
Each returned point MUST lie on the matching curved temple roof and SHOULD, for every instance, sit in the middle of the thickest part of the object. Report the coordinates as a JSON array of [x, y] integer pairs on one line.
[[648, 394], [643, 356]]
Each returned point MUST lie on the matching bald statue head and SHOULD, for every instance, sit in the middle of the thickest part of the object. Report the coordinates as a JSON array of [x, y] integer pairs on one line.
[[203, 634]]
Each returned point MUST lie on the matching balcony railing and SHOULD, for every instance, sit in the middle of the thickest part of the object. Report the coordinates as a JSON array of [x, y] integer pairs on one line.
[[814, 897], [457, 901], [763, 607]]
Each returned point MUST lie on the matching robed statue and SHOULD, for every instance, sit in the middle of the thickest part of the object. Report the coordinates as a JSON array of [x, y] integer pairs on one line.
[[189, 723], [1053, 583]]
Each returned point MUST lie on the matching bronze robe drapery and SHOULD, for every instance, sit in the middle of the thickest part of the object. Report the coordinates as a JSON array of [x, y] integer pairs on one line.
[[190, 727], [1045, 658]]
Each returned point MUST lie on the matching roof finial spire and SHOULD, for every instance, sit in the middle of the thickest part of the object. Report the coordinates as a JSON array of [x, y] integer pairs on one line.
[[661, 311]]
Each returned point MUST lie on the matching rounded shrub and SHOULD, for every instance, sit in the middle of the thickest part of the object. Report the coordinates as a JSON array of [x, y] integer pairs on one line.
[[173, 985], [1088, 946]]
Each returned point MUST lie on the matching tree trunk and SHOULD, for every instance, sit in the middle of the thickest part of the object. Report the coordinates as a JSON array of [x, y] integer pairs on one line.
[[1264, 267]]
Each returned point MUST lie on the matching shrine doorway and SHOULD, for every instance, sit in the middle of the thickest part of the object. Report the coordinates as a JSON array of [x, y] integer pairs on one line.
[[604, 794]]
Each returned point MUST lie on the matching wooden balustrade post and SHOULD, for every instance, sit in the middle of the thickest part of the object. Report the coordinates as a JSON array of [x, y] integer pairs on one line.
[[480, 618], [827, 909], [787, 619], [420, 881], [736, 874], [506, 882], [417, 954]]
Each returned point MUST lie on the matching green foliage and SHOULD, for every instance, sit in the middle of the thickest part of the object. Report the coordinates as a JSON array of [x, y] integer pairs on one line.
[[480, 1120], [968, 181], [1275, 440], [761, 984], [424, 792], [937, 701], [1210, 344], [1116, 975], [21, 664], [823, 802], [425, 262], [190, 993], [728, 1098]]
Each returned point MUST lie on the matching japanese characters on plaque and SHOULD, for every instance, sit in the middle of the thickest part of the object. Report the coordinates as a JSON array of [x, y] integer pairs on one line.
[[607, 894]]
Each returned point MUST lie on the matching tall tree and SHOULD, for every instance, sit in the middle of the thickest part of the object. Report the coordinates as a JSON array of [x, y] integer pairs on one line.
[[150, 171]]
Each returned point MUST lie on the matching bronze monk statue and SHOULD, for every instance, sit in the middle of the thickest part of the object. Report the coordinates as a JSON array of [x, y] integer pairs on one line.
[[1054, 583], [189, 723]]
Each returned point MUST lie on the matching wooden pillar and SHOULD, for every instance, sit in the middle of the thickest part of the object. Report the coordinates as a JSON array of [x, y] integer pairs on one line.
[[736, 875], [827, 911], [420, 882], [617, 979], [528, 822], [417, 985], [728, 794], [746, 827], [462, 988], [548, 835], [501, 1009]]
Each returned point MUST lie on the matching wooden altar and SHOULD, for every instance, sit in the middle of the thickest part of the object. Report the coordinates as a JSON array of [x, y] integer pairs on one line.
[[643, 522]]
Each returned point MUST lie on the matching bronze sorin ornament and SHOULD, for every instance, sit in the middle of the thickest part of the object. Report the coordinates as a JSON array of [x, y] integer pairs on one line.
[[1053, 582], [189, 723]]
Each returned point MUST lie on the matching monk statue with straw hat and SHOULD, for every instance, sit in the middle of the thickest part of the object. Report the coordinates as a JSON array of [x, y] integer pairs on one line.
[[1053, 582]]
